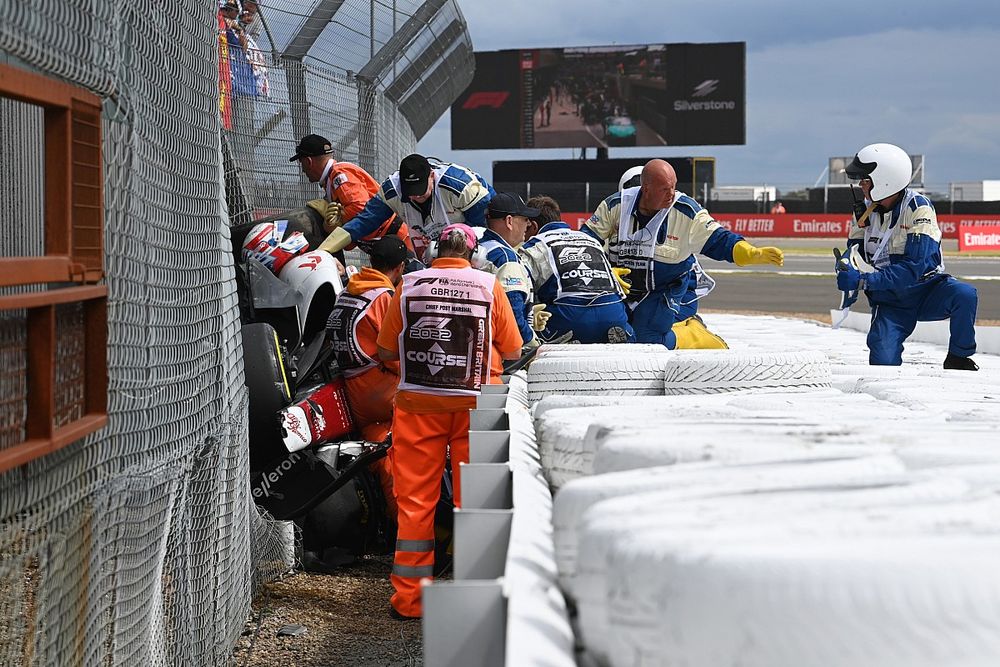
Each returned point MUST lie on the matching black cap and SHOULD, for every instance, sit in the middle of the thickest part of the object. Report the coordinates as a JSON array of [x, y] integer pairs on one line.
[[414, 174], [508, 203], [229, 5], [388, 252], [312, 145]]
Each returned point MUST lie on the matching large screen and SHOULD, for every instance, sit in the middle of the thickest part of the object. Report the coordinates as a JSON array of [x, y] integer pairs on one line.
[[603, 96]]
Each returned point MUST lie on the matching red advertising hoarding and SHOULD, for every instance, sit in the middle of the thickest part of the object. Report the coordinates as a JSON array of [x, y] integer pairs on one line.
[[979, 237], [835, 225]]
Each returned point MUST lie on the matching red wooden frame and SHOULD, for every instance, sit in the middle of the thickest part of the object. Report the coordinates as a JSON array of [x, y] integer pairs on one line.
[[74, 254]]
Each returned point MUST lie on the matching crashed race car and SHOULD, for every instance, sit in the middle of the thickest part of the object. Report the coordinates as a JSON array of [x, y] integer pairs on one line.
[[307, 461]]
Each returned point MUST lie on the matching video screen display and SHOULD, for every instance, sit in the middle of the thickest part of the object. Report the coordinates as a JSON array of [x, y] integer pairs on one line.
[[604, 96]]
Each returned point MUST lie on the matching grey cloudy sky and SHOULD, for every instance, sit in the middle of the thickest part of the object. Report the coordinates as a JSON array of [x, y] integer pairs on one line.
[[823, 79]]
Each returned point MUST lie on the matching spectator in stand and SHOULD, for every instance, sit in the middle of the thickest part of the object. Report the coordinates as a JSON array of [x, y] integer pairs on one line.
[[778, 208], [242, 99], [230, 12], [435, 327], [251, 9], [427, 196], [347, 189], [258, 63]]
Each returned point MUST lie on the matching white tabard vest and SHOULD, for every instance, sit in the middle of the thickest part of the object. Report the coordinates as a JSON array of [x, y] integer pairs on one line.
[[342, 328], [635, 249], [423, 231], [879, 236], [578, 262], [446, 340]]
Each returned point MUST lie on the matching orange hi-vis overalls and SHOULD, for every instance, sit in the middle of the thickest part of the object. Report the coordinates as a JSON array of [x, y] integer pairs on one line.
[[352, 186], [451, 325], [353, 329]]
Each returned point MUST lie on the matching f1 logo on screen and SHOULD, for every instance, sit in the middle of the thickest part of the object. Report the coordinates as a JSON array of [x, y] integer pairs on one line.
[[493, 100]]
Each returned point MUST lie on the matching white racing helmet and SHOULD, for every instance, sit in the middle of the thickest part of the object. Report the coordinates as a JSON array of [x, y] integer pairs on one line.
[[266, 244], [630, 178], [888, 167], [316, 277]]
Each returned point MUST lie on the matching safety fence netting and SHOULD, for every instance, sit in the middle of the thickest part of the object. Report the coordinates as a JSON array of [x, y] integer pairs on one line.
[[140, 544], [370, 76]]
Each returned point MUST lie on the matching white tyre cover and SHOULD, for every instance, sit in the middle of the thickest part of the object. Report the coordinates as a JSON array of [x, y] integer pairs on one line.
[[866, 371], [829, 589], [636, 375], [598, 349], [759, 516], [713, 371], [625, 405], [946, 455], [574, 501]]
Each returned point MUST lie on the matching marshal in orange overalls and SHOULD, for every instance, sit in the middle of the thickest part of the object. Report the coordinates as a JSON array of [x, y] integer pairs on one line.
[[439, 381]]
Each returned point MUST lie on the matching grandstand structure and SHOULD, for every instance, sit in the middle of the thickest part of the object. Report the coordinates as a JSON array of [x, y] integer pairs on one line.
[[127, 531]]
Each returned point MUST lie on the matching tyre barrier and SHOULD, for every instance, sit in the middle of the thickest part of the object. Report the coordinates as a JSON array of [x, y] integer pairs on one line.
[[566, 350], [721, 513], [714, 371], [579, 496], [827, 588], [616, 375], [777, 507]]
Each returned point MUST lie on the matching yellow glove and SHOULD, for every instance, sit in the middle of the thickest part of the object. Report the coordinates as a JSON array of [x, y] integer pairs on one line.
[[334, 216], [620, 277], [337, 240], [745, 254], [539, 317], [318, 205]]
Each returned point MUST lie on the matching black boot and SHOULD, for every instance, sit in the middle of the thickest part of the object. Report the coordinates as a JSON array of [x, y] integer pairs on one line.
[[956, 363]]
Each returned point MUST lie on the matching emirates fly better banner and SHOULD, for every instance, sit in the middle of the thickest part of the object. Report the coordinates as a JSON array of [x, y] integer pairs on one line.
[[973, 232]]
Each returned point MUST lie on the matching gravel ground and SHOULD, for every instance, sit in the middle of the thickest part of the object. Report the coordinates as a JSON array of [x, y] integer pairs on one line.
[[346, 617]]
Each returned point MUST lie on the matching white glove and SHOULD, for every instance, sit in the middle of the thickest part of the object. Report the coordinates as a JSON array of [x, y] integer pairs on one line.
[[539, 317]]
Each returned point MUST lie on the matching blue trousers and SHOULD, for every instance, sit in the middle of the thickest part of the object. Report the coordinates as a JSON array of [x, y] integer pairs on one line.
[[606, 323], [893, 320], [653, 318]]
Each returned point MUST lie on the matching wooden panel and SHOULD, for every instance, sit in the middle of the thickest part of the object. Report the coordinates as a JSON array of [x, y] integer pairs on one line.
[[74, 252], [95, 313], [87, 191], [58, 181], [32, 270], [42, 90], [32, 449], [41, 335], [50, 297]]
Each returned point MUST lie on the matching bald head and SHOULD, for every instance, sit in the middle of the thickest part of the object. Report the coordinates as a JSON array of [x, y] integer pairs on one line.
[[659, 182]]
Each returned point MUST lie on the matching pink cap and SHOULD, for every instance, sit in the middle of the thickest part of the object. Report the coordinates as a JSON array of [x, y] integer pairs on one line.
[[470, 236]]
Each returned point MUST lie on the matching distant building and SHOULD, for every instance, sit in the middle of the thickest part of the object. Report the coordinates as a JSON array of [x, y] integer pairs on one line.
[[976, 191], [743, 193]]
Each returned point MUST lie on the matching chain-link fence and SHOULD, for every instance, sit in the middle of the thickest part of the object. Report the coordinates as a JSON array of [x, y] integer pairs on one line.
[[140, 545], [371, 76]]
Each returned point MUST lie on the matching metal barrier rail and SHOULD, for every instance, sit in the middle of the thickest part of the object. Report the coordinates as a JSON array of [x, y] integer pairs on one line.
[[504, 606]]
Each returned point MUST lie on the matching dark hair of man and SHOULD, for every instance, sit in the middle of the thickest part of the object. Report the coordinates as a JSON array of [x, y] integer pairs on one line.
[[383, 266], [549, 208]]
